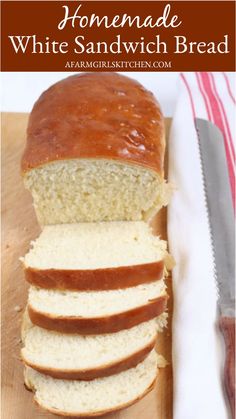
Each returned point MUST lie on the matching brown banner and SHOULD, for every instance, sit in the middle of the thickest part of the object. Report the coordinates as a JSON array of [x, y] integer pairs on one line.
[[118, 36]]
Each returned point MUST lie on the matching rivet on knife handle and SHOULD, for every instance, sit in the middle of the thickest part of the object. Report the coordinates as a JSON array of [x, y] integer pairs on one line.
[[227, 326]]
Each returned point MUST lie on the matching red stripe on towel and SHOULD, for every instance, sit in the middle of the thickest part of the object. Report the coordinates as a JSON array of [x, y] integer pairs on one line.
[[220, 119], [225, 119], [190, 95], [229, 88], [205, 97]]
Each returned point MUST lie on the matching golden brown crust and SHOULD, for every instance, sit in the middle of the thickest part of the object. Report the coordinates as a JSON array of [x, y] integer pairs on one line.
[[101, 412], [95, 279], [99, 325], [96, 115], [103, 371]]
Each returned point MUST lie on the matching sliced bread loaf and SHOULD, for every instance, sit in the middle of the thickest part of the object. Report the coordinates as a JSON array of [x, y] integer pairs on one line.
[[96, 397], [95, 151], [96, 312], [95, 256], [87, 357]]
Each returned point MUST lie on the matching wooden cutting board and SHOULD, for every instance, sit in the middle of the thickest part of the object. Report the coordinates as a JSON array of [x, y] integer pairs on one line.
[[19, 227]]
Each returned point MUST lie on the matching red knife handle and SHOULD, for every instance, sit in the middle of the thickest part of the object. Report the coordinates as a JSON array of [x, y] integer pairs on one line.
[[227, 326]]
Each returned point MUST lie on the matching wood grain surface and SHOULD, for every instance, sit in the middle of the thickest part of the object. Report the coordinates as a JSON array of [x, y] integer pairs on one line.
[[19, 227]]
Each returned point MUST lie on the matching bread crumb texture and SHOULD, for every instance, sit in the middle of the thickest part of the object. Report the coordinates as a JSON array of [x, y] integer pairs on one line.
[[73, 352], [77, 190], [93, 304], [94, 246], [101, 394]]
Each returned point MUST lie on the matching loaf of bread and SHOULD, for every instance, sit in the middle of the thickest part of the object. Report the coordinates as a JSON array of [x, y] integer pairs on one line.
[[87, 357], [94, 164], [95, 151], [95, 256], [96, 312], [97, 397]]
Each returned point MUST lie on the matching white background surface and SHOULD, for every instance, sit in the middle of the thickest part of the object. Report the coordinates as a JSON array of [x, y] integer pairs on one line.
[[20, 90]]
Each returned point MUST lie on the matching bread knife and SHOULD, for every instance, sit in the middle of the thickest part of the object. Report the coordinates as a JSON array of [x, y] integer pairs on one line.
[[221, 224]]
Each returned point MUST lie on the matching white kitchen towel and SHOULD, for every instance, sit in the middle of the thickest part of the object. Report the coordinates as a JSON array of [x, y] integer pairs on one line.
[[197, 344]]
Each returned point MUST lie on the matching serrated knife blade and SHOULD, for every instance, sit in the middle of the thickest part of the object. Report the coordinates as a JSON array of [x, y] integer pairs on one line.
[[221, 224]]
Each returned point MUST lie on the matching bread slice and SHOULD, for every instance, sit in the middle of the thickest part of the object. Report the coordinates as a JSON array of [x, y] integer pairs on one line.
[[87, 357], [87, 190], [95, 256], [96, 312], [96, 397], [95, 151]]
